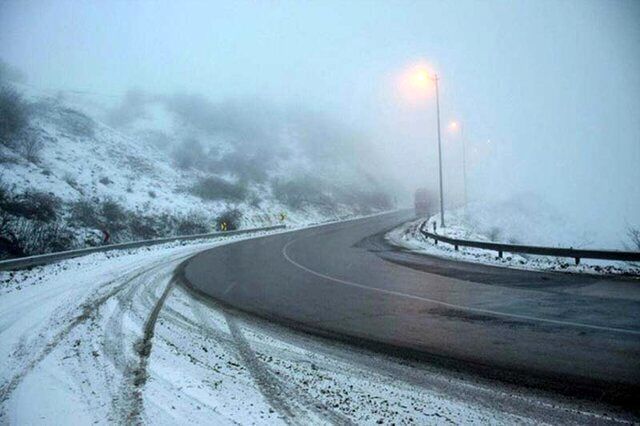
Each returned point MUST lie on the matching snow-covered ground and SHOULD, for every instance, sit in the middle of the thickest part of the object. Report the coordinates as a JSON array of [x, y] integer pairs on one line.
[[116, 338], [461, 226]]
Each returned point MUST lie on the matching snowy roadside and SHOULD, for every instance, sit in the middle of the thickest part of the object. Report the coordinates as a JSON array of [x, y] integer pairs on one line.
[[115, 338], [409, 237], [16, 280]]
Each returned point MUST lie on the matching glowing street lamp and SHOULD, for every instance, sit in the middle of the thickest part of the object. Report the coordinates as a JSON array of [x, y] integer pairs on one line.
[[455, 126], [422, 77]]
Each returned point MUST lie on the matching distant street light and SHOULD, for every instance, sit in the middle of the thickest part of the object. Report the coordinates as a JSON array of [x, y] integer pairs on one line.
[[455, 126]]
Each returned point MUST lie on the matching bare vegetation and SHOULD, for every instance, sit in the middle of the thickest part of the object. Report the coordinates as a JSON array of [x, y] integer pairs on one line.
[[142, 227], [29, 224], [229, 220], [85, 214], [127, 225], [31, 146], [634, 237], [11, 73], [192, 223], [35, 237], [14, 117], [189, 154], [300, 193], [213, 188], [38, 206], [9, 244], [114, 216]]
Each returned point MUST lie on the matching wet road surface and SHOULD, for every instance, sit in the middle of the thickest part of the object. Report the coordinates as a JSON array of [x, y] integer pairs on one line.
[[573, 333]]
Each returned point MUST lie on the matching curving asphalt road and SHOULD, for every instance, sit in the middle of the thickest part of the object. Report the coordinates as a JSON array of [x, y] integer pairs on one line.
[[571, 333]]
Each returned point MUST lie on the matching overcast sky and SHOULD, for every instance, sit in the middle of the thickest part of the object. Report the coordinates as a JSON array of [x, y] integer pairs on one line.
[[548, 91]]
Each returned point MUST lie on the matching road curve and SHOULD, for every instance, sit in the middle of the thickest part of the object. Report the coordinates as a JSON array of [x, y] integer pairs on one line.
[[573, 333]]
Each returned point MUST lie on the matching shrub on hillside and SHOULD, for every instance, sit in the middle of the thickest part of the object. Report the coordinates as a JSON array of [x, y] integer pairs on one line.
[[634, 237], [10, 73], [114, 216], [247, 167], [84, 213], [212, 188], [142, 227], [229, 220], [5, 193], [112, 211], [15, 133], [9, 245], [189, 154], [24, 237], [300, 193], [32, 205], [107, 215], [14, 116], [121, 224], [191, 224], [30, 146]]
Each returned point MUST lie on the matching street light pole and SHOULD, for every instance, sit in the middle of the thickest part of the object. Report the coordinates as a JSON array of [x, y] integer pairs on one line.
[[464, 164], [435, 79]]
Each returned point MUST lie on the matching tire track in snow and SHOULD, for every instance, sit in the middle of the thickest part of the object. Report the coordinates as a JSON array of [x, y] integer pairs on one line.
[[115, 336], [267, 384], [293, 407], [88, 310], [270, 388], [143, 349], [126, 400]]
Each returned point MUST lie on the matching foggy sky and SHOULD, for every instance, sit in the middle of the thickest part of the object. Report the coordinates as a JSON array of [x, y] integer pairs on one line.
[[548, 91]]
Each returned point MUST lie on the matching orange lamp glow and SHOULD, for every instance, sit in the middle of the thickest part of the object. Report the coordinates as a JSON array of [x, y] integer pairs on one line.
[[415, 83]]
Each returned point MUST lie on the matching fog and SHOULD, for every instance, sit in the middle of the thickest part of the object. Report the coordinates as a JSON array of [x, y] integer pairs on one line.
[[547, 92]]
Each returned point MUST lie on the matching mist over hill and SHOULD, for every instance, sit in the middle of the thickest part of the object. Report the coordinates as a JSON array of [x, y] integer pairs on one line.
[[146, 166]]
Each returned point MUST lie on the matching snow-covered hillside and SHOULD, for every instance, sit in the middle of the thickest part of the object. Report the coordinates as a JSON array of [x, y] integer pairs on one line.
[[148, 166]]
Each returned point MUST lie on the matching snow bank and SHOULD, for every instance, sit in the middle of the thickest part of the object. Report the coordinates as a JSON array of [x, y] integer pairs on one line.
[[511, 230]]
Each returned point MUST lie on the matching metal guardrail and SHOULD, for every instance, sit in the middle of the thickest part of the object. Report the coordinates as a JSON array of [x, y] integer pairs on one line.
[[577, 254], [42, 259]]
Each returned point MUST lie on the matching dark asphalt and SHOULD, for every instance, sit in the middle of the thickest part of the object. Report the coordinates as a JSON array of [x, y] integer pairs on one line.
[[574, 333]]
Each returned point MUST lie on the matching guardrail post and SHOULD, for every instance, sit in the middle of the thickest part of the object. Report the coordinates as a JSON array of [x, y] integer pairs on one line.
[[456, 246], [577, 261], [500, 254]]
